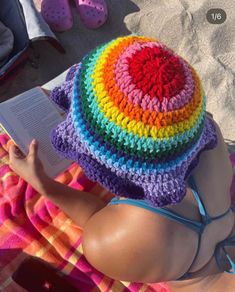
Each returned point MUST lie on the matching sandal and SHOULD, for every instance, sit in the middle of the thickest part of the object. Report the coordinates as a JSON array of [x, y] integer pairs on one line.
[[57, 14], [93, 13]]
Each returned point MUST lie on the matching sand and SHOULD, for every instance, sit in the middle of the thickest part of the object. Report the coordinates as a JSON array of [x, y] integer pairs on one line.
[[181, 25]]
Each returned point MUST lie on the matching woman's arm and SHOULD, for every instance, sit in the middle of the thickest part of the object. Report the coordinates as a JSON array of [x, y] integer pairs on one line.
[[78, 205]]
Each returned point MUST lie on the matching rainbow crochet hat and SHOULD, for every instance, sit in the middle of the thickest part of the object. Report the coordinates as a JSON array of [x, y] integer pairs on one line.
[[136, 119]]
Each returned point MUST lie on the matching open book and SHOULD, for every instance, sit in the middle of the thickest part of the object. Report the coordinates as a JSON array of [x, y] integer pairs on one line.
[[33, 115]]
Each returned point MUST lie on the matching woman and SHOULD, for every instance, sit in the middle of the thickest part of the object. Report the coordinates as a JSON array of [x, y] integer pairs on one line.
[[137, 125]]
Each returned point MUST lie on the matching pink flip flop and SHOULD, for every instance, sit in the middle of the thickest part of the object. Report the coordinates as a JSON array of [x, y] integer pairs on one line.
[[57, 14], [93, 13]]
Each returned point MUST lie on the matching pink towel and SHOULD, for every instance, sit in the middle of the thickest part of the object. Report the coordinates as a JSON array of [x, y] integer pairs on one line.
[[32, 225]]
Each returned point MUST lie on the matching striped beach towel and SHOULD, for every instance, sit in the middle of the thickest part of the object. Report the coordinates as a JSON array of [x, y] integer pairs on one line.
[[32, 225]]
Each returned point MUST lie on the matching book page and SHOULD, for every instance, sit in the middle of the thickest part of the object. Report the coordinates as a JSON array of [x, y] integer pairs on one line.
[[32, 115]]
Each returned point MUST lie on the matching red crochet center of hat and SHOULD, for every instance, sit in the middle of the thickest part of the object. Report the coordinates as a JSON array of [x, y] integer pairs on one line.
[[157, 72]]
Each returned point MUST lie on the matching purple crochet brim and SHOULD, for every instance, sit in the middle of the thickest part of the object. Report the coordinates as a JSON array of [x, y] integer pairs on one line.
[[161, 189], [62, 95]]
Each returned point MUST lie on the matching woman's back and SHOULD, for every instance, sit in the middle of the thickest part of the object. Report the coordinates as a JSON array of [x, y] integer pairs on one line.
[[213, 177], [156, 247]]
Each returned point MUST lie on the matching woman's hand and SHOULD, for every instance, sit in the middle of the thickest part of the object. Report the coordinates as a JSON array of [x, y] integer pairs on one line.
[[29, 167]]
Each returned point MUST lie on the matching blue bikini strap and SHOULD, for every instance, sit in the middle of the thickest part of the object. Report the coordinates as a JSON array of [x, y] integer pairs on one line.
[[193, 225], [221, 245], [188, 275], [206, 219]]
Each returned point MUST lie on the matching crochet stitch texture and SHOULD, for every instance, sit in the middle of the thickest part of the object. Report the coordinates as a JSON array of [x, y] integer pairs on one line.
[[136, 119]]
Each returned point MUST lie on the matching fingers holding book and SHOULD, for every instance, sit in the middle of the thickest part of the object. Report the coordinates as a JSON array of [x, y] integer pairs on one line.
[[15, 150], [29, 166]]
